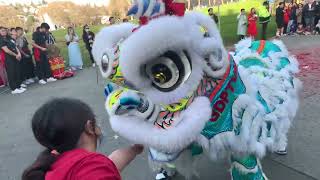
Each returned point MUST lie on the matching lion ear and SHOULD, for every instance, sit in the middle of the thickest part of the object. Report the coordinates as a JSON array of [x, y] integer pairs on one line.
[[210, 47], [109, 37]]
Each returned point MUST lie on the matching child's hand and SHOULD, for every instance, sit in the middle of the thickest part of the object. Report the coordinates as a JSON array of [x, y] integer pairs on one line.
[[137, 148]]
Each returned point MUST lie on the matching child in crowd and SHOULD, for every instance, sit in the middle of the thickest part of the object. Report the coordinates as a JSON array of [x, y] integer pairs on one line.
[[242, 24], [286, 17], [300, 30], [68, 129], [252, 26]]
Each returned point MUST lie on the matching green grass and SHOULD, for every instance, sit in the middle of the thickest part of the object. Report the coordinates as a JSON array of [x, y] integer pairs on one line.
[[61, 43], [228, 29], [228, 21]]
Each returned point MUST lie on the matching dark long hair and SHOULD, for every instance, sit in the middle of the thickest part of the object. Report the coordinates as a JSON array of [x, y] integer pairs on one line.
[[57, 125], [84, 29]]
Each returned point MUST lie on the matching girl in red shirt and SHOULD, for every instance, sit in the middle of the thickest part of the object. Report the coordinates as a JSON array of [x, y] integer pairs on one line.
[[67, 128], [252, 24], [286, 17]]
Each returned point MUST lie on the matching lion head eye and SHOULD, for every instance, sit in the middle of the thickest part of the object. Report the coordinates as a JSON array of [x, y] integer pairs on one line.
[[105, 62], [169, 70]]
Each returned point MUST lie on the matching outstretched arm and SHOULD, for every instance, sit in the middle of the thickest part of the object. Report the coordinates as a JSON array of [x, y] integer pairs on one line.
[[122, 157]]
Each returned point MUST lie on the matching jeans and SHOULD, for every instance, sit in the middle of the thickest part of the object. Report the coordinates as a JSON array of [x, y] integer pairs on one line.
[[290, 23], [309, 23]]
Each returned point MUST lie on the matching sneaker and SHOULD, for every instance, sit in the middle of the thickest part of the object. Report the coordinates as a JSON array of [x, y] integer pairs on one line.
[[1, 86], [94, 65], [26, 82], [22, 89], [162, 175], [42, 82], [282, 152], [51, 79], [31, 81], [23, 85], [17, 91]]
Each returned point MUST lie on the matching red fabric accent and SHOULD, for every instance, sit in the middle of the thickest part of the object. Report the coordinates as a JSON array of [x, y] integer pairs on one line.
[[143, 20], [1, 81], [252, 25], [58, 68], [173, 8], [36, 54], [286, 16], [2, 56], [80, 164], [261, 47]]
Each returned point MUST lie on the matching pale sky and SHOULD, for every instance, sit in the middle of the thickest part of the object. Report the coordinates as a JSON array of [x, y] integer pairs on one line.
[[97, 2]]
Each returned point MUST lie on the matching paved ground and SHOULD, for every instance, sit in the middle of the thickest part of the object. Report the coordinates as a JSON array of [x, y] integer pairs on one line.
[[18, 148]]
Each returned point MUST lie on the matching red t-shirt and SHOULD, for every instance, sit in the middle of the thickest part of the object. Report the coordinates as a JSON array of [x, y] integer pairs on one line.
[[80, 164]]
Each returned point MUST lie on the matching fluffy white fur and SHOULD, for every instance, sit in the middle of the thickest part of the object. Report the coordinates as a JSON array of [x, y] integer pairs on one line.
[[149, 42], [105, 41], [183, 33], [244, 170], [172, 140]]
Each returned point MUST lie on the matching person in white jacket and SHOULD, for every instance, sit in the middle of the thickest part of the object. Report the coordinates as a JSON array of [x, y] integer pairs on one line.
[[242, 24]]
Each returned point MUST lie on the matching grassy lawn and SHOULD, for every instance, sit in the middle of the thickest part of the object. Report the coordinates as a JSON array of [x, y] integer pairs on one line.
[[228, 29]]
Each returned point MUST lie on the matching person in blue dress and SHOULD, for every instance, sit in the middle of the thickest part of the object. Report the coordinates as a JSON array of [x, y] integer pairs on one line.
[[75, 58]]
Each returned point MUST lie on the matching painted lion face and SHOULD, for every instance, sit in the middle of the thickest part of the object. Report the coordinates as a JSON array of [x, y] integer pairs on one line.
[[164, 68]]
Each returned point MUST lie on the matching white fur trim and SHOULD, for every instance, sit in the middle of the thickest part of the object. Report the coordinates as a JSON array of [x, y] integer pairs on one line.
[[105, 41], [172, 140]]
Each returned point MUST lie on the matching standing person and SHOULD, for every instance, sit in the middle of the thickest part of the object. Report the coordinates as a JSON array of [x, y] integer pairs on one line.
[[292, 19], [3, 73], [12, 58], [72, 40], [50, 40], [68, 129], [280, 19], [39, 43], [309, 15], [286, 17], [27, 66], [213, 15], [242, 24], [252, 23], [88, 38], [299, 14], [264, 19]]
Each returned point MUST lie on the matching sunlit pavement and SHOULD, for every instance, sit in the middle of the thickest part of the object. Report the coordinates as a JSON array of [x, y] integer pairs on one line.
[[18, 148]]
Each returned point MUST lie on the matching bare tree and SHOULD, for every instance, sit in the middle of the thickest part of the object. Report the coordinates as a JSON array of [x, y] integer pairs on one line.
[[199, 3]]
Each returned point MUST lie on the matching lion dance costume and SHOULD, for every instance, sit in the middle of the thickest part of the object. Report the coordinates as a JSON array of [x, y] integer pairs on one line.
[[181, 94]]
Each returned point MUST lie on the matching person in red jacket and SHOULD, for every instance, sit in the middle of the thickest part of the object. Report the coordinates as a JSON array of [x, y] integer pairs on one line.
[[286, 17], [68, 130], [252, 23]]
